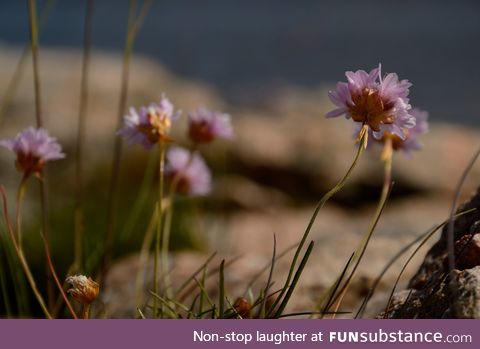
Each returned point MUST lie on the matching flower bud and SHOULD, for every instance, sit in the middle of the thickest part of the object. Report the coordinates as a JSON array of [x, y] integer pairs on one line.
[[84, 290], [243, 308]]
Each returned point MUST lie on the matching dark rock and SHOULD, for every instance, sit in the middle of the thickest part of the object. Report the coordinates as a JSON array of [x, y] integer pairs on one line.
[[434, 292]]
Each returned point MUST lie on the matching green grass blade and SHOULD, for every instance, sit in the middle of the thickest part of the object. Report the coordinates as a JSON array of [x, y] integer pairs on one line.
[[296, 277], [221, 293]]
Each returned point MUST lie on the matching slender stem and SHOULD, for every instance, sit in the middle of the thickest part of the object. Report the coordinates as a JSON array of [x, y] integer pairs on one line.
[[32, 14], [13, 83], [22, 188], [85, 311], [387, 156], [168, 225], [363, 139], [161, 170], [117, 151], [79, 213], [133, 27], [21, 257], [55, 277], [166, 242], [144, 253]]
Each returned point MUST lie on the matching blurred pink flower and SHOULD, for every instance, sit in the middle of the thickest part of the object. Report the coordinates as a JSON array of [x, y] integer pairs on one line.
[[33, 147], [190, 170], [411, 141], [205, 126], [150, 125], [382, 104]]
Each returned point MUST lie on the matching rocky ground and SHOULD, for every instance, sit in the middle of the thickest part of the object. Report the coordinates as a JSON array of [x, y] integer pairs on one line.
[[284, 157]]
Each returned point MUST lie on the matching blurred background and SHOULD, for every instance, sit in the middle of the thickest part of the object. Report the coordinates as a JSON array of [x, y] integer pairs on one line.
[[269, 64]]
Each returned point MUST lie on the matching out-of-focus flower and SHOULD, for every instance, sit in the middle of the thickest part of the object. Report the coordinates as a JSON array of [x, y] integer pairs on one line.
[[189, 170], [411, 142], [382, 104], [33, 147], [84, 290], [149, 125], [205, 125]]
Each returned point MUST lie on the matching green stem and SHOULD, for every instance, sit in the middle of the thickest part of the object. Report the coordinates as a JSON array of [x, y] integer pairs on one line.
[[161, 170], [359, 253], [22, 188], [13, 83], [32, 15], [133, 27], [79, 214], [143, 259], [21, 257], [363, 139]]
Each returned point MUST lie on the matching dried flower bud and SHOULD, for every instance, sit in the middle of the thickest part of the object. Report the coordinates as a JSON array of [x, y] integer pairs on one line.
[[84, 290], [243, 308]]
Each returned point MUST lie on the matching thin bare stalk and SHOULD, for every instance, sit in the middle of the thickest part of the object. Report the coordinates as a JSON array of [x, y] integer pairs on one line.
[[161, 170], [79, 214], [22, 188], [143, 258], [133, 27], [20, 67], [21, 257], [55, 277], [32, 14]]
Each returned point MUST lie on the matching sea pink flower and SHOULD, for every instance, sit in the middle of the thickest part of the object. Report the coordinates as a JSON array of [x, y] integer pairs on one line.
[[190, 171], [382, 104], [33, 147], [411, 142], [150, 125], [206, 125]]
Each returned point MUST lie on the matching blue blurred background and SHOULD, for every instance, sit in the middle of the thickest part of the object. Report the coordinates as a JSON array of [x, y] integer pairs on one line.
[[247, 47]]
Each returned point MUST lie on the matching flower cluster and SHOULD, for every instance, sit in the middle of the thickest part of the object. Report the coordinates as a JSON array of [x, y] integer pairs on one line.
[[206, 125], [33, 148], [151, 125], [381, 104]]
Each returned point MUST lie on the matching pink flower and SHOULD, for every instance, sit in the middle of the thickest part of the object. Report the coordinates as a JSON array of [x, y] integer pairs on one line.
[[205, 126], [411, 142], [190, 171], [150, 125], [382, 104], [33, 147]]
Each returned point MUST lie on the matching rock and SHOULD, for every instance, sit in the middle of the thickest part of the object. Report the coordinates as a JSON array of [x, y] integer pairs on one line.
[[434, 292]]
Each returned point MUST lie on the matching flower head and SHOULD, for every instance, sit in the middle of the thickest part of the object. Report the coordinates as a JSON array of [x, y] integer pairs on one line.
[[33, 147], [382, 104], [411, 142], [190, 170], [84, 290], [206, 125], [149, 125]]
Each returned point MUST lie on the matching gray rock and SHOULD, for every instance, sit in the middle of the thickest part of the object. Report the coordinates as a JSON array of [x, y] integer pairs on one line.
[[434, 292]]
